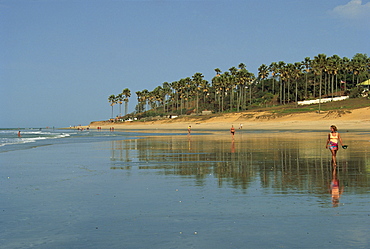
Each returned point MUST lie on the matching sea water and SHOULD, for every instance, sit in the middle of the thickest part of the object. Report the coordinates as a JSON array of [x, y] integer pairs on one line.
[[20, 138], [276, 189], [25, 138]]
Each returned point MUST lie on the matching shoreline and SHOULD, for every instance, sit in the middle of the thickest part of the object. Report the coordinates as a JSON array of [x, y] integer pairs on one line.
[[357, 119]]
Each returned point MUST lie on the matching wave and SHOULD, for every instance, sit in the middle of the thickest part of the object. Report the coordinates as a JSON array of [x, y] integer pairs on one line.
[[10, 137]]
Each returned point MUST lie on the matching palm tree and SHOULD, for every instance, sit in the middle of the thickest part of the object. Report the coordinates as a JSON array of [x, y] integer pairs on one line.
[[290, 71], [145, 95], [166, 88], [218, 71], [241, 80], [284, 76], [175, 85], [183, 88], [152, 99], [204, 89], [359, 64], [333, 68], [197, 80], [119, 98], [241, 84], [319, 63], [297, 71], [186, 88], [273, 68], [242, 66], [127, 94], [224, 87], [140, 106], [307, 67], [158, 96], [216, 85], [263, 73], [345, 68], [250, 79], [112, 100], [232, 85], [280, 73]]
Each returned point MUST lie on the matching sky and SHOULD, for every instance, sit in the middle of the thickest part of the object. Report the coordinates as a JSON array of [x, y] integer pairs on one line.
[[60, 60]]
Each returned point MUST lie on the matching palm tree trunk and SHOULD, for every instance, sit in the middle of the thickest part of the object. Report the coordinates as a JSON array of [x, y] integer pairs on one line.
[[320, 93], [238, 98], [197, 103], [231, 99], [332, 87], [219, 102], [296, 92], [181, 105], [305, 92], [222, 100], [283, 91]]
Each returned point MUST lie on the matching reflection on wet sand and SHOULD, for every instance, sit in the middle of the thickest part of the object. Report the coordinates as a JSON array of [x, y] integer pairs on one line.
[[336, 189], [279, 162]]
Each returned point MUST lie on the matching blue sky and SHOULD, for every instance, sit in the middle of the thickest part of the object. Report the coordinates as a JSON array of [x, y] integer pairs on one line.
[[61, 59]]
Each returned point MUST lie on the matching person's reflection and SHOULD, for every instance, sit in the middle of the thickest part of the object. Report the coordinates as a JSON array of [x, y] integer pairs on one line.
[[335, 189], [189, 143], [233, 146]]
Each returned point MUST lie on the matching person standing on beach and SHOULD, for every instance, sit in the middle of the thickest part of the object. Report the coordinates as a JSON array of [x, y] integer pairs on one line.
[[189, 129], [232, 131], [332, 143]]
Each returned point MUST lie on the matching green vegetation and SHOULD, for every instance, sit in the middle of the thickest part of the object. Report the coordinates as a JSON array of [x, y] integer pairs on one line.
[[344, 105], [278, 86]]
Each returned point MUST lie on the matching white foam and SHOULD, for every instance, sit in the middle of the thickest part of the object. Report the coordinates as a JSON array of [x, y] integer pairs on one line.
[[10, 137]]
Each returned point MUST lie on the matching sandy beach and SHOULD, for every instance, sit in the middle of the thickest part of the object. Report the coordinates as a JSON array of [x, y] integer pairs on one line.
[[357, 119]]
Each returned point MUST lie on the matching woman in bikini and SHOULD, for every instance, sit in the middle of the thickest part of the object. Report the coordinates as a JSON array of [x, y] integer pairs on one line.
[[332, 143]]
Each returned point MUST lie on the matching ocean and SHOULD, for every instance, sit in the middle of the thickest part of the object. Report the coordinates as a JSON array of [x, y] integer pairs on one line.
[[34, 137], [167, 189]]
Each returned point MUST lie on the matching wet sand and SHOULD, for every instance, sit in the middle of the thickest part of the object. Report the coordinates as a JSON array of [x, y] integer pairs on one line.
[[260, 190]]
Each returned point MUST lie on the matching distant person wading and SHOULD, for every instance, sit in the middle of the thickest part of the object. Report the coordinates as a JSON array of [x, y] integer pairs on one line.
[[232, 131]]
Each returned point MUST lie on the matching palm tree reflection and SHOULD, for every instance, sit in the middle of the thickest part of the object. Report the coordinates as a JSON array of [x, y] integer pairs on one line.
[[278, 164]]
